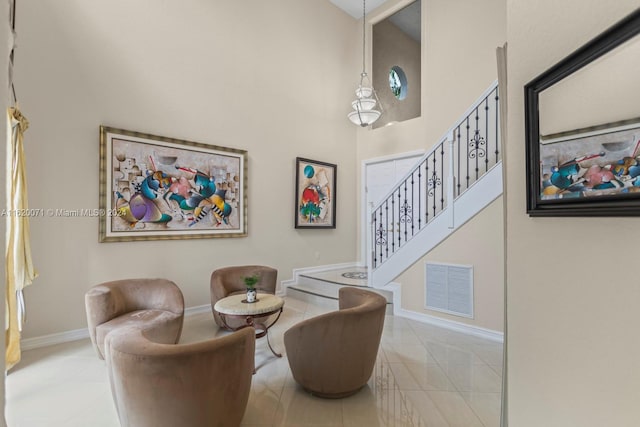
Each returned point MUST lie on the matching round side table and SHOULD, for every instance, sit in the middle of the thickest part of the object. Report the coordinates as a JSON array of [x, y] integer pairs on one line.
[[264, 306]]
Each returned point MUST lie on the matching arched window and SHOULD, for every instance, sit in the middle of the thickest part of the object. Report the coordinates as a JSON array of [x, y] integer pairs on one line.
[[398, 82]]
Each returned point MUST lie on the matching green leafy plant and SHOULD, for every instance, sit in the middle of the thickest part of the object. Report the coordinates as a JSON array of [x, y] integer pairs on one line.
[[250, 281]]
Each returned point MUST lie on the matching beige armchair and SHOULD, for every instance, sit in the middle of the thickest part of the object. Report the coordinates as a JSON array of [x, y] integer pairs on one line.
[[333, 355], [153, 305], [202, 384], [229, 281]]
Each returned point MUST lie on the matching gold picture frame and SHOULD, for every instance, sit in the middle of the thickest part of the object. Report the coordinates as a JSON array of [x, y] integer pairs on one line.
[[158, 188]]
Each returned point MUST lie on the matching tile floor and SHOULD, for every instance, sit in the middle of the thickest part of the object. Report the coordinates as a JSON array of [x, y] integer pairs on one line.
[[425, 376]]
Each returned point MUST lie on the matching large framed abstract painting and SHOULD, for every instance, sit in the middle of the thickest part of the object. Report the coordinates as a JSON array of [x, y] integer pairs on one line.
[[315, 198], [582, 121], [158, 188]]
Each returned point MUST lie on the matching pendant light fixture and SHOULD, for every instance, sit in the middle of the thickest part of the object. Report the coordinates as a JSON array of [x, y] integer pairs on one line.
[[363, 113]]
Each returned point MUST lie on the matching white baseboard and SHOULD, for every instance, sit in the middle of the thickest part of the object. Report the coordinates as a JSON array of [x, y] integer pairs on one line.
[[464, 328], [452, 325], [79, 334], [205, 308], [58, 338], [395, 288]]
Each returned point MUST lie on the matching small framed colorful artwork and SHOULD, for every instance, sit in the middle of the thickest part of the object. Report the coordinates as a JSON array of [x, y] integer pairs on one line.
[[315, 203]]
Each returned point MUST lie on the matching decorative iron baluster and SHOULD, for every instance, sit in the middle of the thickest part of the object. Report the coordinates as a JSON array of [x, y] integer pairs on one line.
[[434, 182], [381, 236], [477, 142], [434, 179], [419, 196], [459, 171], [497, 113], [468, 177], [399, 229], [374, 228], [386, 218], [442, 175], [412, 204], [486, 130], [403, 210], [427, 188], [382, 245], [393, 222]]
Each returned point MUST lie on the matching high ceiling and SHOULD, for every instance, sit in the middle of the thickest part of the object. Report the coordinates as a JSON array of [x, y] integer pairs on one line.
[[354, 7], [407, 19]]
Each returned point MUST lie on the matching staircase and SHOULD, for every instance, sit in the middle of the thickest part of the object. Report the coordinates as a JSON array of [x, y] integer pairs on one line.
[[322, 286], [449, 185]]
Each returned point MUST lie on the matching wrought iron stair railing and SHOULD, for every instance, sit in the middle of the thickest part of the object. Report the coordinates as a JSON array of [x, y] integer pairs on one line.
[[468, 151]]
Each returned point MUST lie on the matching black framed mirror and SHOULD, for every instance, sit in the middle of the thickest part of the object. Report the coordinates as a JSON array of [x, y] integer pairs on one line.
[[582, 121]]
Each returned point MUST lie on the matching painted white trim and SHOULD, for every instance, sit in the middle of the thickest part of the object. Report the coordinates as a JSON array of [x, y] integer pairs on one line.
[[487, 189], [443, 139], [52, 339], [199, 309], [364, 209], [464, 328], [384, 11], [396, 156], [452, 325], [471, 109], [284, 284], [394, 288], [396, 291], [79, 334]]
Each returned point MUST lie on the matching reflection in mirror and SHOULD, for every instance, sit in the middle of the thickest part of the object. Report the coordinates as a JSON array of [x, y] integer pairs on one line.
[[583, 129], [589, 128], [605, 91]]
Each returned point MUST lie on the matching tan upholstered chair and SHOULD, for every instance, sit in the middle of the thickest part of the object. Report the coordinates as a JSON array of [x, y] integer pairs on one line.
[[333, 355], [154, 305], [202, 384], [229, 281]]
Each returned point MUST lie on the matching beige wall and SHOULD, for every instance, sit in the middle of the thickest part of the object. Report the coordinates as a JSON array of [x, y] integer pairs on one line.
[[458, 65], [268, 77], [472, 246], [392, 47], [572, 293]]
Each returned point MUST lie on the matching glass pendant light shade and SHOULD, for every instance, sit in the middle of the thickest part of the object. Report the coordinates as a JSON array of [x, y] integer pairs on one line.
[[364, 92], [364, 113], [364, 104], [364, 118]]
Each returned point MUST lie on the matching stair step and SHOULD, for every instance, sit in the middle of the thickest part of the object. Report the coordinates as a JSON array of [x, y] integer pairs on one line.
[[310, 297], [303, 293], [323, 287]]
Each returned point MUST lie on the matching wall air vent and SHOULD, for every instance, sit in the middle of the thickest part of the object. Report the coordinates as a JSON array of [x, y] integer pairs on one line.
[[449, 288]]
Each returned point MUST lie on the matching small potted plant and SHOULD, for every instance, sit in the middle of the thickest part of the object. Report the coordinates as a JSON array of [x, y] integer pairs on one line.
[[250, 283]]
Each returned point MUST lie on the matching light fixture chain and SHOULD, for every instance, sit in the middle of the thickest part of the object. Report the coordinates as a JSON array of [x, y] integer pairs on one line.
[[364, 34], [367, 98]]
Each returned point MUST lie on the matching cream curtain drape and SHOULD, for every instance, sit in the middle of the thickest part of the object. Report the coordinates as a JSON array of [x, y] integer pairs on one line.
[[19, 266]]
